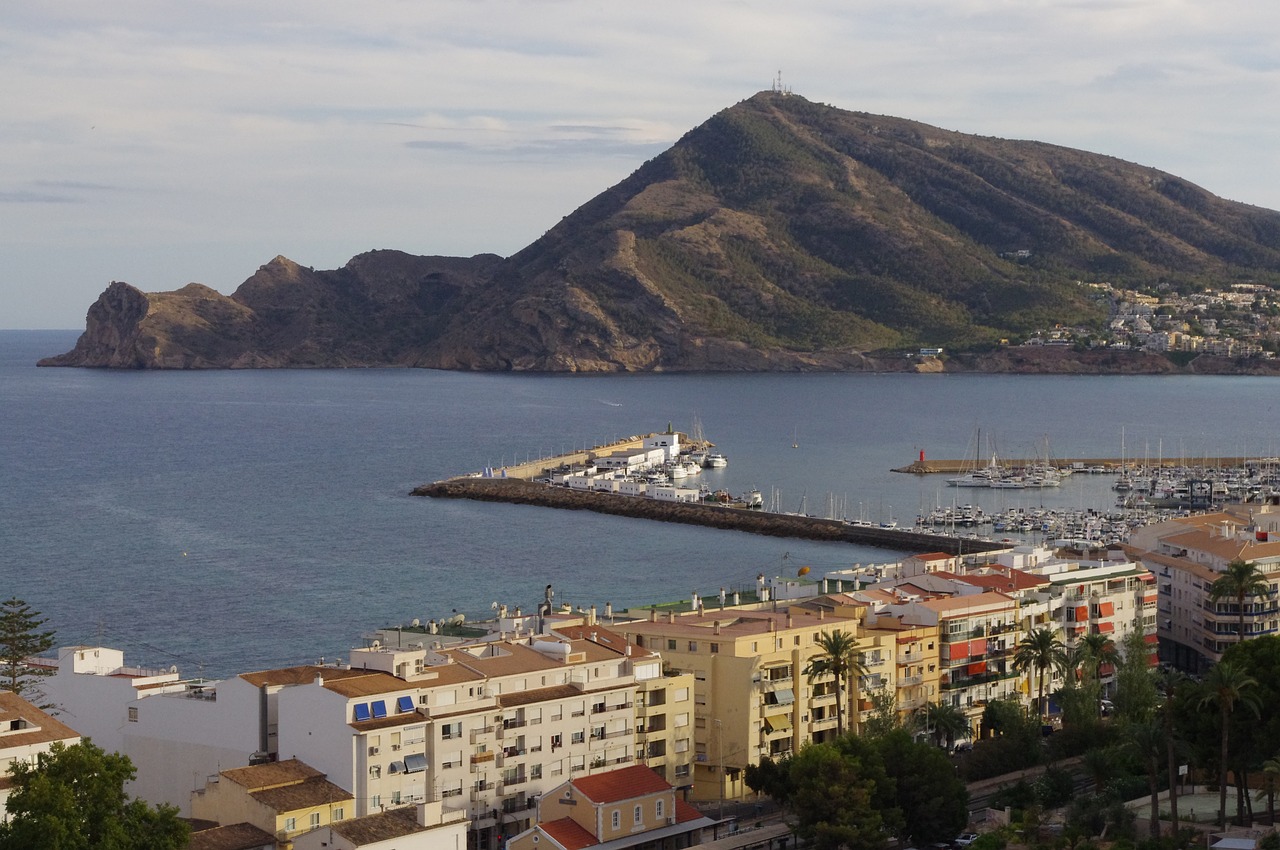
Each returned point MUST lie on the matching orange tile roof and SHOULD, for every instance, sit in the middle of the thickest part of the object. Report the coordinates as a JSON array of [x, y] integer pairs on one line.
[[14, 707], [625, 783], [568, 834], [256, 777], [686, 812]]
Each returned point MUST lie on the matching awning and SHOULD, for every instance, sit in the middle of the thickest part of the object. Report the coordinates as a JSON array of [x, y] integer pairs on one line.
[[777, 722], [362, 711], [1151, 638], [1107, 609], [958, 651], [1082, 613], [404, 704], [784, 696], [978, 647], [1106, 628], [977, 667], [415, 763], [379, 709]]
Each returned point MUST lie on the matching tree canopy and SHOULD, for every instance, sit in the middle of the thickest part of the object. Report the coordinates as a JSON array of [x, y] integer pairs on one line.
[[73, 798], [855, 793]]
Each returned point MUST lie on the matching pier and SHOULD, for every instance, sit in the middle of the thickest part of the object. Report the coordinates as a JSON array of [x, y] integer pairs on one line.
[[519, 492]]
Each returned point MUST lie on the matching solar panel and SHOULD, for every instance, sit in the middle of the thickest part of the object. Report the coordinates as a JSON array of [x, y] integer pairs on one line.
[[379, 709]]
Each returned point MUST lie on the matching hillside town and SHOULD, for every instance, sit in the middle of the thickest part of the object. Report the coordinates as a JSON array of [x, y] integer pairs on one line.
[[1240, 320], [574, 729]]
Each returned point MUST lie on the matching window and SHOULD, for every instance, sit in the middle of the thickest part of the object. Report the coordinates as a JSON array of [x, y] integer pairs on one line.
[[379, 708], [693, 646], [557, 741], [133, 714], [657, 809], [617, 819], [338, 814], [315, 820], [715, 647], [451, 730], [362, 711], [404, 704], [290, 824], [671, 644], [579, 737], [638, 815], [375, 802]]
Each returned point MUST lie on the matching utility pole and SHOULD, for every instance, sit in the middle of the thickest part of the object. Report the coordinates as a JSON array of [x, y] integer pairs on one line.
[[720, 748]]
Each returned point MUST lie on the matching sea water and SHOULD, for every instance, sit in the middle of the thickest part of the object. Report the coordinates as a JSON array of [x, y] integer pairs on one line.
[[231, 521]]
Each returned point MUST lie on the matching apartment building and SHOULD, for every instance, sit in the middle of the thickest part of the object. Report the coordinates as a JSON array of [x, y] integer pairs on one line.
[[1187, 555], [751, 698]]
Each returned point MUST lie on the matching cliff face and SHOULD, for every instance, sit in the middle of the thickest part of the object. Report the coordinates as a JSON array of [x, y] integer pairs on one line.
[[778, 235], [381, 309]]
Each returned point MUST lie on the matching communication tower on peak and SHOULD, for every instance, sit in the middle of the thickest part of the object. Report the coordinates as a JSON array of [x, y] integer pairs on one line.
[[778, 87]]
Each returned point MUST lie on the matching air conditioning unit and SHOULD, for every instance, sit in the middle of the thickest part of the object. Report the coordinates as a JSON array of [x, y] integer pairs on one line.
[[395, 747], [671, 819], [373, 751]]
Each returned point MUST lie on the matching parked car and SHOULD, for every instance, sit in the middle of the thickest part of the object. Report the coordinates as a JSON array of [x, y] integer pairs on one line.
[[964, 839]]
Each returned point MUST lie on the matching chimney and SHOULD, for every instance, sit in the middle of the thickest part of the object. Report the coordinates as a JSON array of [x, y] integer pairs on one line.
[[591, 620], [736, 599], [319, 680], [773, 625], [790, 622], [715, 627], [653, 615], [594, 638], [628, 650], [822, 613], [671, 616]]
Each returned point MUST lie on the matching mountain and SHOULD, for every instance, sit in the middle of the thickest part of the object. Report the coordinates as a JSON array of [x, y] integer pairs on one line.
[[780, 234]]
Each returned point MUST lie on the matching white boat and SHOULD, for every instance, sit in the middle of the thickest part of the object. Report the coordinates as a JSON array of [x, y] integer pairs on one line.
[[754, 499], [715, 460]]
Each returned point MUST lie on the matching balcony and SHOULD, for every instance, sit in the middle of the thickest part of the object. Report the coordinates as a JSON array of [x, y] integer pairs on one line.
[[601, 708], [910, 681], [479, 758], [480, 732]]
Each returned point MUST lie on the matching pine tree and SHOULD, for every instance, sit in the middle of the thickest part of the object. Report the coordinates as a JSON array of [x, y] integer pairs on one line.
[[21, 637]]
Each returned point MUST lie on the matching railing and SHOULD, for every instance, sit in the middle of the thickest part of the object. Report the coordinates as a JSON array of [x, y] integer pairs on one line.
[[600, 709], [910, 681], [480, 757]]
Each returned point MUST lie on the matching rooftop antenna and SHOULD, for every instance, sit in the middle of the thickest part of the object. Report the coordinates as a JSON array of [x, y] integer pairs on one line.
[[778, 87]]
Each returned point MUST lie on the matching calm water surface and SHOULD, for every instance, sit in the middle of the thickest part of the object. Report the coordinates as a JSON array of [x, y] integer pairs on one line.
[[229, 521]]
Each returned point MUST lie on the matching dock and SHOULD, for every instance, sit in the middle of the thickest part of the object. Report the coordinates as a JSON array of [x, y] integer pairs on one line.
[[1112, 465]]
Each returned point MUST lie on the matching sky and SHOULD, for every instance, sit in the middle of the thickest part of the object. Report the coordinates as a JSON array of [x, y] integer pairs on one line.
[[161, 143]]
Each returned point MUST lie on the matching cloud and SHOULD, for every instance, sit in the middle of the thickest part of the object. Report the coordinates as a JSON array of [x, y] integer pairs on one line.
[[225, 135]]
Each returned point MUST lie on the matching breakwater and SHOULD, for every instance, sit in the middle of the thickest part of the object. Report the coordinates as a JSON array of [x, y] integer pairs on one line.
[[514, 491]]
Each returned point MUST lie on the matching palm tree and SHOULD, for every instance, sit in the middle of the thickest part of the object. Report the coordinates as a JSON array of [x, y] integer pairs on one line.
[[1226, 685], [944, 722], [1168, 683], [1270, 782], [1098, 649], [1146, 741], [1043, 651], [1240, 581], [838, 658]]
